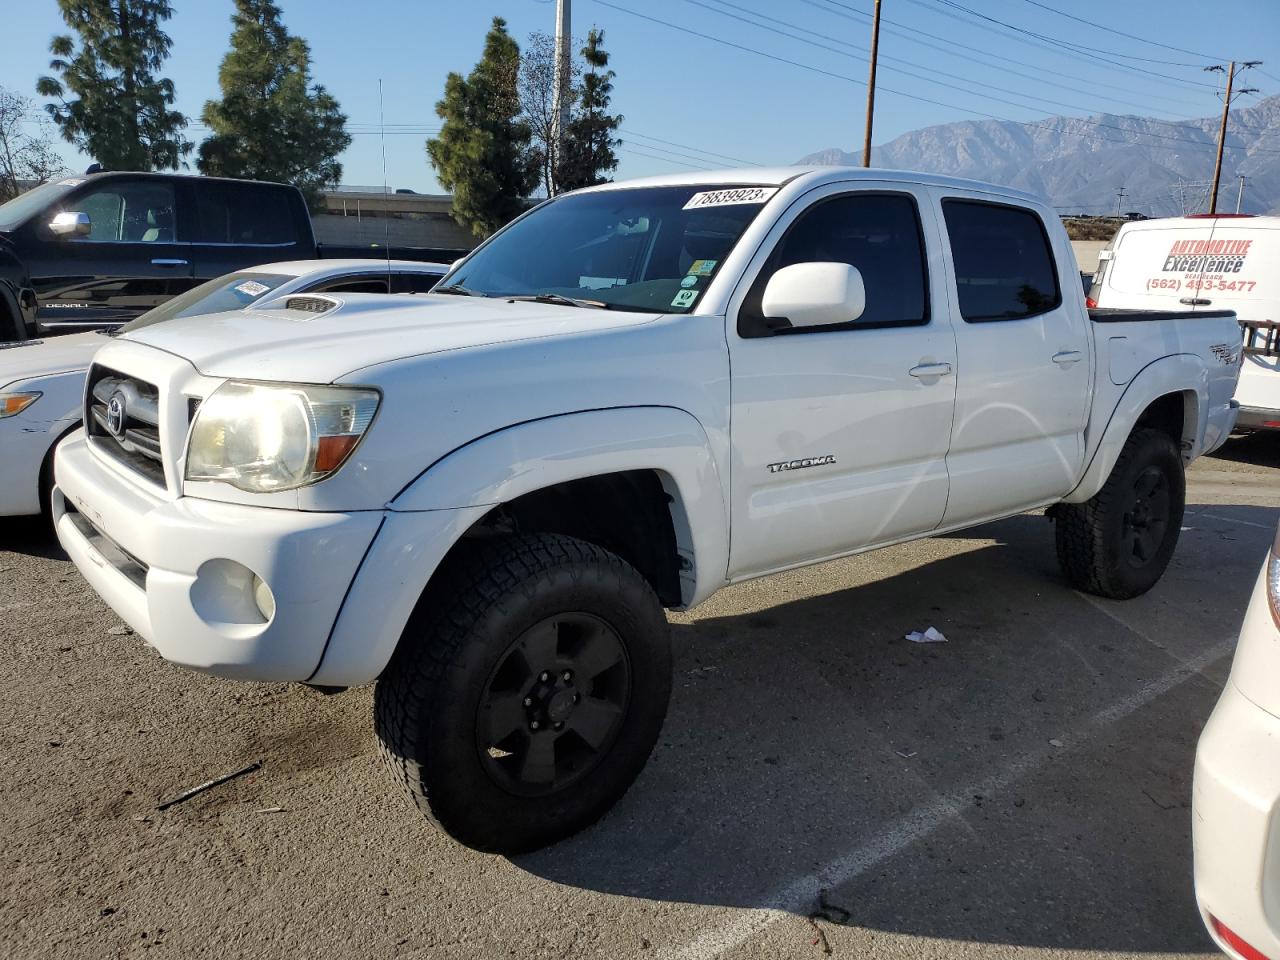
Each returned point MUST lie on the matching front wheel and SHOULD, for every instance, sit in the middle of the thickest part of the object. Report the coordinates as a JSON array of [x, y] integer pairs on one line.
[[1118, 543], [527, 692]]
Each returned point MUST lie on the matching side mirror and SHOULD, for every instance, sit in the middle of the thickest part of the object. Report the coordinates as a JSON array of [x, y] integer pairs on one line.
[[815, 294], [70, 224]]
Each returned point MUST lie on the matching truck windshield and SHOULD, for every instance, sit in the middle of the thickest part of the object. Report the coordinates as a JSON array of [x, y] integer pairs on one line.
[[17, 210], [649, 249], [235, 291]]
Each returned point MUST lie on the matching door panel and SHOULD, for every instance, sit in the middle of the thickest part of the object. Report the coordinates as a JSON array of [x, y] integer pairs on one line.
[[1024, 377], [131, 261], [836, 444]]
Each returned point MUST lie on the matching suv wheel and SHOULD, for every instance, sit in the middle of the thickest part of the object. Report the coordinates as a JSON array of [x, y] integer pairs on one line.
[[527, 691]]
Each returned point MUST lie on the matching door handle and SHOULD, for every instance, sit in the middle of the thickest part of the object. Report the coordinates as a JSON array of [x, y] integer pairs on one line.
[[1065, 358], [924, 371], [162, 262], [1195, 302]]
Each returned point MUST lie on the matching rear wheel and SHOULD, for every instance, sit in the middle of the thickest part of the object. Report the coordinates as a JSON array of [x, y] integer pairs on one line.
[[1118, 543], [527, 692]]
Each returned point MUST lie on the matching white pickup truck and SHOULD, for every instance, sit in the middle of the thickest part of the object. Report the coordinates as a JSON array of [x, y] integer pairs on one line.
[[628, 398]]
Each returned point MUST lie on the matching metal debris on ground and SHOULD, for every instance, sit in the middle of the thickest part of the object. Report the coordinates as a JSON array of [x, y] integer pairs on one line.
[[931, 635], [217, 781], [905, 754]]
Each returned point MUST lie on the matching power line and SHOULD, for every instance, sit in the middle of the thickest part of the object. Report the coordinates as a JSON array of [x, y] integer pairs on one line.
[[912, 96], [644, 136], [1120, 33], [909, 73], [1020, 34], [912, 33]]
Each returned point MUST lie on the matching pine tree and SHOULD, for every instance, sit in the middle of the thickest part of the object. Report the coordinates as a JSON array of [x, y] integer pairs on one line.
[[111, 102], [587, 156], [482, 153], [272, 123]]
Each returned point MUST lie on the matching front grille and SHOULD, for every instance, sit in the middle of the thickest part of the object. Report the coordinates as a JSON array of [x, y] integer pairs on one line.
[[123, 416]]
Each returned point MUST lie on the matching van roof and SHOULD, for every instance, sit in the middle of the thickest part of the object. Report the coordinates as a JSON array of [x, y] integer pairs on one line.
[[1241, 222]]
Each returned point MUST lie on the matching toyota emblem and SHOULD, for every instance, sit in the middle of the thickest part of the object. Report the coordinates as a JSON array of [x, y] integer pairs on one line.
[[115, 415]]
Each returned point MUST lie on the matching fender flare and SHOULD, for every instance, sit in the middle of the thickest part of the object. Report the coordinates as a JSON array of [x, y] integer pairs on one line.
[[1183, 373], [429, 516], [508, 463]]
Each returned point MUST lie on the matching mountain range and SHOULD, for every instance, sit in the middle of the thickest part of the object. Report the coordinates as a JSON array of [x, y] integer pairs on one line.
[[1163, 166]]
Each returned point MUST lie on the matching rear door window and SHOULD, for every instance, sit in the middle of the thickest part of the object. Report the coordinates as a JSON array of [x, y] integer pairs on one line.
[[1004, 265], [243, 214]]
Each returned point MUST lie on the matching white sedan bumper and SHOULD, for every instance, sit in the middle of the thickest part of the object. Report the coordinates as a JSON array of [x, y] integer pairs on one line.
[[1236, 807]]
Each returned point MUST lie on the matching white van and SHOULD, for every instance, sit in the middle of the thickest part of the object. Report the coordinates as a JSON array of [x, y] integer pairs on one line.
[[1207, 262]]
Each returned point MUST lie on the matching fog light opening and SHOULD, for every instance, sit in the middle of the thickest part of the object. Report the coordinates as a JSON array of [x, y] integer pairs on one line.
[[264, 598], [1234, 941]]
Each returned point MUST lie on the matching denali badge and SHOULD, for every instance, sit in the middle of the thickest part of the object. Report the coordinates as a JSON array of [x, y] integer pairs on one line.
[[115, 415], [801, 464]]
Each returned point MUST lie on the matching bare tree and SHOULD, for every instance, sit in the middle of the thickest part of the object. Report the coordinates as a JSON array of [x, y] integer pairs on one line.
[[27, 156], [537, 85]]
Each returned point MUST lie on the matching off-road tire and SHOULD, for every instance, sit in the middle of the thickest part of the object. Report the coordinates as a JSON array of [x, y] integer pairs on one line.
[[1094, 538], [428, 701]]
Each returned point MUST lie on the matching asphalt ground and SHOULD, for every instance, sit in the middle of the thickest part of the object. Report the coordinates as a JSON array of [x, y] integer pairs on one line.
[[821, 784]]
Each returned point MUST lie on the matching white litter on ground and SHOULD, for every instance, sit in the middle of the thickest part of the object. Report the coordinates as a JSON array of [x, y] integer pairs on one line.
[[931, 635]]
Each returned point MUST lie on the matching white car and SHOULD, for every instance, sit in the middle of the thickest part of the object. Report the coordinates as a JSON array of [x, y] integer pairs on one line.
[[1236, 794], [1206, 262], [627, 398], [42, 381]]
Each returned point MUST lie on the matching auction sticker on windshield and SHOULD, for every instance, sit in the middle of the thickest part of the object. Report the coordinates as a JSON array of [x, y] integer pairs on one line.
[[725, 198]]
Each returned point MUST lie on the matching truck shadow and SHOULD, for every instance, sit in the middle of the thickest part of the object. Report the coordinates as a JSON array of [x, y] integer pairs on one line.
[[1259, 449], [30, 536], [1019, 784]]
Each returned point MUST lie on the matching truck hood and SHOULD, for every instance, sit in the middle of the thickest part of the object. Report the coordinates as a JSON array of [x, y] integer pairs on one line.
[[40, 358], [363, 330]]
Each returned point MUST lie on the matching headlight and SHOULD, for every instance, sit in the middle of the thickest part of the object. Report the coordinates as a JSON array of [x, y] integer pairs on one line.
[[12, 404], [266, 437], [1273, 580]]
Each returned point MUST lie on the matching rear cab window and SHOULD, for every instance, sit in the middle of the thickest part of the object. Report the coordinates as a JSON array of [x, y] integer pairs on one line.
[[1003, 262]]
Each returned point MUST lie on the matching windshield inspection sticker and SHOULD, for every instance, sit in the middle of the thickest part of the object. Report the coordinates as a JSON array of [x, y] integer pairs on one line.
[[724, 198], [689, 281], [685, 298], [702, 268], [252, 288]]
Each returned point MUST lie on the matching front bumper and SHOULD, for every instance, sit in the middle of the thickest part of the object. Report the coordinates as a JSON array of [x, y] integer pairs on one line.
[[179, 571], [1236, 818]]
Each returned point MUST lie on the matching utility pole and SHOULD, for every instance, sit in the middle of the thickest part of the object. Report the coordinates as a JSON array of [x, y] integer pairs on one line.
[[1222, 132], [1119, 199], [1240, 193], [560, 95], [871, 86]]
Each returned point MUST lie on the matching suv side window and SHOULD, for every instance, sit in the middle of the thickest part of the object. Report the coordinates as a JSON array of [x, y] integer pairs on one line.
[[243, 214], [1003, 262], [880, 234], [129, 212]]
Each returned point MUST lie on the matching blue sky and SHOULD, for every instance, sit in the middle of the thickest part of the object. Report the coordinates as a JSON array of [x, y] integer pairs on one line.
[[706, 96]]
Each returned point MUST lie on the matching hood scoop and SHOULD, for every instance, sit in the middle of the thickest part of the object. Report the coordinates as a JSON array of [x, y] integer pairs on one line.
[[311, 304]]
